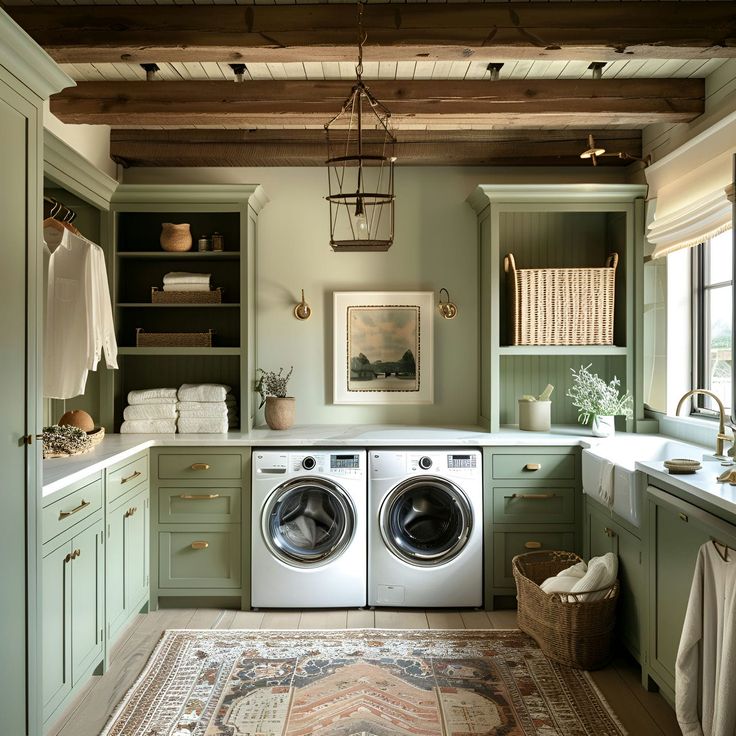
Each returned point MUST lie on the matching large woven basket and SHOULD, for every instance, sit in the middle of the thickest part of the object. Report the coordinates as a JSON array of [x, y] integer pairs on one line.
[[213, 296], [145, 339], [577, 633], [561, 306]]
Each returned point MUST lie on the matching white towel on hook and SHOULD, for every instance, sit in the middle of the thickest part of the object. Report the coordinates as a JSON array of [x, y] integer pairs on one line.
[[150, 411], [148, 426], [206, 392], [205, 425], [605, 482], [152, 396]]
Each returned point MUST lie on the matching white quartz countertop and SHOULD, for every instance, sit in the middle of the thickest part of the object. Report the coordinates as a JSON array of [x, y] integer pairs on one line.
[[60, 472]]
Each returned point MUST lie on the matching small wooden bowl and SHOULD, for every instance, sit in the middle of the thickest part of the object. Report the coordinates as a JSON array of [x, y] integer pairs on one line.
[[682, 465], [96, 435]]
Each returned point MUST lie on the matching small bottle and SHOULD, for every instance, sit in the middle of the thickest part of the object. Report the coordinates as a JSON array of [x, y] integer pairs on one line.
[[218, 242], [203, 244]]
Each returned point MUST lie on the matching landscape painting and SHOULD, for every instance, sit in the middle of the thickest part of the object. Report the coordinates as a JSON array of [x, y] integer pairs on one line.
[[383, 347]]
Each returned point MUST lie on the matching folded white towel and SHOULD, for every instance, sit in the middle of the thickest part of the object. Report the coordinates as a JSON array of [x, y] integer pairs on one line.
[[605, 482], [186, 287], [182, 277], [202, 409], [207, 392], [150, 411], [152, 396], [208, 425], [148, 426]]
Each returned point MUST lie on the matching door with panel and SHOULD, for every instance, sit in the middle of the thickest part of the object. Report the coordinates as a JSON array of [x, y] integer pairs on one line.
[[136, 552]]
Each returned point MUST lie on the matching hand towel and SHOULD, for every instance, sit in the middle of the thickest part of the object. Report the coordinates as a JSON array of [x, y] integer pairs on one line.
[[605, 482], [208, 425], [207, 392], [150, 411], [602, 573], [186, 287], [182, 277], [152, 396], [202, 409], [148, 426]]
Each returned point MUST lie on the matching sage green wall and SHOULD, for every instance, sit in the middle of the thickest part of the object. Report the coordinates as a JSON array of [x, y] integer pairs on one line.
[[435, 246]]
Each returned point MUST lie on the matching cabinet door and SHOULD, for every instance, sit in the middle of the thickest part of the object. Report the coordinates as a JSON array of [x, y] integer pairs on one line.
[[55, 622], [115, 571], [136, 553], [87, 578], [600, 533], [632, 594]]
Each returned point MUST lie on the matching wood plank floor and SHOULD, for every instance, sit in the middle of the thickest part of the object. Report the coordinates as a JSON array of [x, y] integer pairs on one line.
[[642, 713]]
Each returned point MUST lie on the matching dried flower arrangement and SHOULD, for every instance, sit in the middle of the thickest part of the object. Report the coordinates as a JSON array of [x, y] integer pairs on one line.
[[64, 440], [593, 397], [272, 384]]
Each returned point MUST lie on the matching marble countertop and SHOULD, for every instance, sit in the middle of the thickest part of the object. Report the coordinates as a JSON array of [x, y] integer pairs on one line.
[[60, 472]]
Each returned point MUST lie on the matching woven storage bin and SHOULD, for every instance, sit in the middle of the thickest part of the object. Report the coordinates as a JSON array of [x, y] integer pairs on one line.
[[158, 296], [576, 633], [561, 306], [145, 339]]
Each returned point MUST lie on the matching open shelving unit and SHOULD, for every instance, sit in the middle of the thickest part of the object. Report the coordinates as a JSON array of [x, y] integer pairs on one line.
[[556, 226], [138, 263]]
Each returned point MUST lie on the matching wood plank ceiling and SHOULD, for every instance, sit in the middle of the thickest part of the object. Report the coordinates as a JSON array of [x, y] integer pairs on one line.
[[427, 61]]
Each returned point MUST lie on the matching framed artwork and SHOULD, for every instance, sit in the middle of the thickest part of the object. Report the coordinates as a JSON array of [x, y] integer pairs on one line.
[[383, 347]]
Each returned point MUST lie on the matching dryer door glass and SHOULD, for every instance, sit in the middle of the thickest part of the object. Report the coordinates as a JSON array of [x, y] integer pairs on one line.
[[426, 521], [308, 521]]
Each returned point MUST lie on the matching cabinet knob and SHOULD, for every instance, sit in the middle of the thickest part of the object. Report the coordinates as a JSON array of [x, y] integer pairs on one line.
[[533, 466], [609, 532], [200, 466], [130, 512], [200, 545], [683, 517], [533, 545]]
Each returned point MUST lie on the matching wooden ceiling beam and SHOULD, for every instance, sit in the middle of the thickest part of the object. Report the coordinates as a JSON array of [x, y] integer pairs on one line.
[[415, 148], [520, 103], [395, 32]]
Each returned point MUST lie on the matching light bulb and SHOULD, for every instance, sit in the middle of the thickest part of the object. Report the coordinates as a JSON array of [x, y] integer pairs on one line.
[[360, 221]]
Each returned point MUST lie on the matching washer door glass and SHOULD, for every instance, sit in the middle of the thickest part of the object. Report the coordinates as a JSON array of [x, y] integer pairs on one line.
[[426, 521], [308, 521]]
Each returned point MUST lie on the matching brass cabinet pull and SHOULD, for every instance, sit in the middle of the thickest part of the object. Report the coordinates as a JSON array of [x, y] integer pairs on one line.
[[683, 517], [83, 505], [75, 554], [533, 466], [200, 545], [200, 466], [199, 496], [532, 496], [533, 545], [130, 477], [130, 511], [68, 558], [609, 532]]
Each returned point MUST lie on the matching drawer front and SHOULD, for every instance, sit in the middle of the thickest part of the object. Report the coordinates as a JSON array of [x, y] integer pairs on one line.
[[532, 466], [203, 559], [124, 478], [199, 505], [534, 505], [506, 545], [70, 510], [200, 466]]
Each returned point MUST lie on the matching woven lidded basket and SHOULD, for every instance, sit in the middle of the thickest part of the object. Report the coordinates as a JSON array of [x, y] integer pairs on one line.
[[158, 296], [561, 306], [575, 632], [145, 339]]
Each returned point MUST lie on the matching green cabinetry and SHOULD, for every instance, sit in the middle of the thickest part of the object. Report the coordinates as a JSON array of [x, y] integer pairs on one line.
[[531, 502], [200, 532]]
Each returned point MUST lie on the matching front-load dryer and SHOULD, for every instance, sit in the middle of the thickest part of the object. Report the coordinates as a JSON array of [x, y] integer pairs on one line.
[[308, 543], [425, 540]]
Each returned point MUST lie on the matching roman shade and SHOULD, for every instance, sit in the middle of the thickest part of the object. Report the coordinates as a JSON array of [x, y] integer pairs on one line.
[[691, 187]]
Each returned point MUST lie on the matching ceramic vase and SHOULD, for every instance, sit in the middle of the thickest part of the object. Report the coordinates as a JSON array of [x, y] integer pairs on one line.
[[176, 237], [280, 412], [603, 426]]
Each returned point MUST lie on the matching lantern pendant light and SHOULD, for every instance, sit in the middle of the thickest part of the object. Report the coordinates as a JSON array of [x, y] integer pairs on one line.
[[360, 167]]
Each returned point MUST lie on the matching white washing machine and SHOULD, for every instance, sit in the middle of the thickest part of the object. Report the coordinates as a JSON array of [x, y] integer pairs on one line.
[[425, 540], [308, 543]]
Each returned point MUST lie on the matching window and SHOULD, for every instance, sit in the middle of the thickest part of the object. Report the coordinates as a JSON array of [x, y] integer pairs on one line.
[[713, 315]]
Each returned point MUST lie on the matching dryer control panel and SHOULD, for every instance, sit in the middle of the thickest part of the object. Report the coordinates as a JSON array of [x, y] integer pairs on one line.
[[348, 464], [451, 463]]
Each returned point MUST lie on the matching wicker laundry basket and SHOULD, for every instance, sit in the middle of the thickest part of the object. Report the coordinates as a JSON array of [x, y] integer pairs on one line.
[[561, 306], [145, 339], [574, 632], [213, 296]]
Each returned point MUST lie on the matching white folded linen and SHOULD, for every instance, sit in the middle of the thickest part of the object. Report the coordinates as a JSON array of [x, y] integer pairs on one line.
[[605, 482], [183, 277], [206, 392], [148, 426], [152, 396], [150, 411], [186, 287], [208, 425], [202, 409]]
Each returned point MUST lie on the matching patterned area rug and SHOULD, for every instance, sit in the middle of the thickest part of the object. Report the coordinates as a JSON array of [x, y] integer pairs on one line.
[[368, 682]]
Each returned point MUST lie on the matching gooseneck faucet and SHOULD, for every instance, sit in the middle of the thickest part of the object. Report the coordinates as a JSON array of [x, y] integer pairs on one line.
[[721, 437]]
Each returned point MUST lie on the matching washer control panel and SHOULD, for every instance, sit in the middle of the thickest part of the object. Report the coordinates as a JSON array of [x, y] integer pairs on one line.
[[457, 463], [347, 464]]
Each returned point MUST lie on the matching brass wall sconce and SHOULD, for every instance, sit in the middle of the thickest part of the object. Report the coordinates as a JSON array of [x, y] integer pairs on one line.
[[302, 310], [447, 309]]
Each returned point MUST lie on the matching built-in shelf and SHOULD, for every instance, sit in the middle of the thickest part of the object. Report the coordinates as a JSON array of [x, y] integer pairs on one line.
[[148, 305], [193, 254], [179, 351], [605, 350]]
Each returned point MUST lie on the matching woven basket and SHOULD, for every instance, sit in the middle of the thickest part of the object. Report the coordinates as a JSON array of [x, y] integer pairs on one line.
[[96, 435], [574, 632], [561, 306], [158, 296], [175, 237], [145, 339]]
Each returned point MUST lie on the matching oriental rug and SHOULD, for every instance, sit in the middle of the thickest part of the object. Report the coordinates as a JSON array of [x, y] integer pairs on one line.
[[368, 682]]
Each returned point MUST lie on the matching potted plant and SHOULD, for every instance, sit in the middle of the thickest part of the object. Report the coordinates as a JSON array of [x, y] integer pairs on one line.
[[279, 407], [597, 400]]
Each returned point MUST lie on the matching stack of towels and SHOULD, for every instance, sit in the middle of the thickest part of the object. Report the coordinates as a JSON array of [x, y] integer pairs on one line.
[[598, 575], [150, 411], [182, 281], [206, 407]]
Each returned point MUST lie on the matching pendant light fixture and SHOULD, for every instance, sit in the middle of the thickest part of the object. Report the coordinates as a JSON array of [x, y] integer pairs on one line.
[[360, 167]]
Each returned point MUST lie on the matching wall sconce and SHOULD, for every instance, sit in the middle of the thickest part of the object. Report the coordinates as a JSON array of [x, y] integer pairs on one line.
[[302, 310], [447, 309]]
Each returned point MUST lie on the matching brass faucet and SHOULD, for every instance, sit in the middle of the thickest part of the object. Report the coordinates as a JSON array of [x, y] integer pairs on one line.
[[721, 437]]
